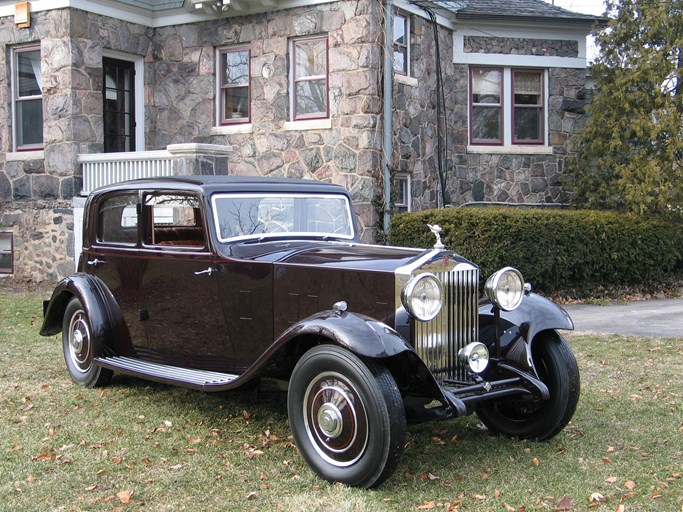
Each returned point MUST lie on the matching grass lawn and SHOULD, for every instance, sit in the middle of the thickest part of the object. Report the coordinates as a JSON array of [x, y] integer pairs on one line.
[[142, 446]]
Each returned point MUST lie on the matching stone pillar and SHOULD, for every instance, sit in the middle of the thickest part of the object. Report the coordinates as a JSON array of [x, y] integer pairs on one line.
[[194, 159]]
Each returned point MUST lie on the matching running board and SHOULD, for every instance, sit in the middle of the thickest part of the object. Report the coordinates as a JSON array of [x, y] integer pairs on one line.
[[188, 377]]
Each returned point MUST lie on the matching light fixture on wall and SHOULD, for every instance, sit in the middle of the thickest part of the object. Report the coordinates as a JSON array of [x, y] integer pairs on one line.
[[213, 7]]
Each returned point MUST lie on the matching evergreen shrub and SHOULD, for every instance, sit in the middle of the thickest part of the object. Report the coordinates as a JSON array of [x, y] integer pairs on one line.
[[554, 249]]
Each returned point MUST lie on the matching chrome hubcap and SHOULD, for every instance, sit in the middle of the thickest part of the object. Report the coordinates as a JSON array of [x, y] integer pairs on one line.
[[335, 418], [79, 341], [330, 420]]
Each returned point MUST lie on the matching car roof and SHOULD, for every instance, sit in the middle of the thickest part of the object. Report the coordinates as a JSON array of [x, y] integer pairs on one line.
[[210, 184]]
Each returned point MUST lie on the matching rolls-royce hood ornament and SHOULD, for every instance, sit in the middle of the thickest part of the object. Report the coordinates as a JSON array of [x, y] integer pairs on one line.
[[436, 229]]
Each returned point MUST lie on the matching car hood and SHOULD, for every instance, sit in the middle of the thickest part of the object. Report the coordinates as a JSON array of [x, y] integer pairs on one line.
[[326, 254]]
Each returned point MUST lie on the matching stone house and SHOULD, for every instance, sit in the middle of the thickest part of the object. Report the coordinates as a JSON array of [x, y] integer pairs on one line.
[[479, 106]]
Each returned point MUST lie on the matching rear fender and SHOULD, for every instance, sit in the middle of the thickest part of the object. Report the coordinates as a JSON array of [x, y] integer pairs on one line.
[[106, 321]]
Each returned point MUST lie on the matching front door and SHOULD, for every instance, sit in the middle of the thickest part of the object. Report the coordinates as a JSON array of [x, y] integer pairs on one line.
[[119, 105]]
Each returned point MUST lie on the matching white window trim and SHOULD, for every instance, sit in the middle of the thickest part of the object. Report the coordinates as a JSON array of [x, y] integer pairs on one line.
[[408, 45], [407, 178], [507, 118], [140, 107], [14, 94]]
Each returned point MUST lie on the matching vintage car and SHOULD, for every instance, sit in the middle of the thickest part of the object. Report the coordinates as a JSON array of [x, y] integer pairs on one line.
[[213, 282]]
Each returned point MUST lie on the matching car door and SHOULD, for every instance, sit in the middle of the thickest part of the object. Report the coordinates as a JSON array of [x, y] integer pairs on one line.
[[180, 304]]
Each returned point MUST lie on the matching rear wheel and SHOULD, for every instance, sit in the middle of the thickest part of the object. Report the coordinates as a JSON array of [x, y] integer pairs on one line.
[[79, 346], [535, 418], [347, 416]]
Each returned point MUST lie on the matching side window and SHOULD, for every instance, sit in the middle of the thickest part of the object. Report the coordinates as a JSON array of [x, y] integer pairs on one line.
[[233, 73], [6, 252], [117, 220], [486, 106], [401, 43], [27, 98], [309, 79], [175, 220], [402, 183]]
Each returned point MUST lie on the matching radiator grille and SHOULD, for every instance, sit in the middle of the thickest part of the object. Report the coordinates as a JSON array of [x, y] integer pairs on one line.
[[437, 342]]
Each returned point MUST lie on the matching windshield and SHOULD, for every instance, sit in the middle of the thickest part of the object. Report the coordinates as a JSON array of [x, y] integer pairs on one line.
[[242, 216]]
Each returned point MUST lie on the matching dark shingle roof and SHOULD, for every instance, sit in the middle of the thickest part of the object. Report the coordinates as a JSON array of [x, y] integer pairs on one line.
[[511, 10]]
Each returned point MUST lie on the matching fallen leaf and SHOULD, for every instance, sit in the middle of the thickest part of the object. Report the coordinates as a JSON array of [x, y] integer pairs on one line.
[[611, 479], [596, 496], [438, 440], [606, 460], [251, 496], [534, 462], [124, 496], [630, 485], [565, 503], [427, 505], [177, 467]]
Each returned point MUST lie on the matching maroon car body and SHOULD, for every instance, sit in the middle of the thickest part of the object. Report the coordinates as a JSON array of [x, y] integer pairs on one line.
[[211, 282]]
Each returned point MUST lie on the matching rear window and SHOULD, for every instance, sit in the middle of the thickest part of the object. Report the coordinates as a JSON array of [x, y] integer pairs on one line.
[[118, 220]]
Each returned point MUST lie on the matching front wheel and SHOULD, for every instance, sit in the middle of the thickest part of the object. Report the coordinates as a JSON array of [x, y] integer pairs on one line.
[[79, 346], [535, 418], [347, 416]]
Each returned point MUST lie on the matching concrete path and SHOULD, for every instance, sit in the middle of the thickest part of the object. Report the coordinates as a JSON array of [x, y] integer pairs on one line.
[[662, 318]]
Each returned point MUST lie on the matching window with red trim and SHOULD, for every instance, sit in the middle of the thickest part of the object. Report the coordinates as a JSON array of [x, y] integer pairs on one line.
[[507, 106], [310, 79], [234, 96]]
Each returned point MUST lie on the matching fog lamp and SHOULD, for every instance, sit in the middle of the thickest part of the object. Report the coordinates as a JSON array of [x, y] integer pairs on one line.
[[475, 355]]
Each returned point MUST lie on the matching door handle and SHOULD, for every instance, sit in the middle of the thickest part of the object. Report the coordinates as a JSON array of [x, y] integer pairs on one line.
[[208, 271], [96, 262]]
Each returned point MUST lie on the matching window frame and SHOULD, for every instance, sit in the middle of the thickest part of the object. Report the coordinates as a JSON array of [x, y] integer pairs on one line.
[[500, 106], [405, 71], [222, 88], [539, 106], [403, 181], [294, 43], [16, 99], [10, 236], [508, 136]]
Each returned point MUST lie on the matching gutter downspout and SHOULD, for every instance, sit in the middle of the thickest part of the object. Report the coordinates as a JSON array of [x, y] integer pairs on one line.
[[388, 107]]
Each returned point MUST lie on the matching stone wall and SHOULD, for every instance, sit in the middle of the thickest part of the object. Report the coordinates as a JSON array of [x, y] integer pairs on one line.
[[181, 83], [480, 176], [36, 187], [180, 105]]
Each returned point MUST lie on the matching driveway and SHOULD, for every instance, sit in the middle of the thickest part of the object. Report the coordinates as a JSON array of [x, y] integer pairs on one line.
[[661, 318]]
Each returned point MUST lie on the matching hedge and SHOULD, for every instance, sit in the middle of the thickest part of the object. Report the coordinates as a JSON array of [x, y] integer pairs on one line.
[[554, 249]]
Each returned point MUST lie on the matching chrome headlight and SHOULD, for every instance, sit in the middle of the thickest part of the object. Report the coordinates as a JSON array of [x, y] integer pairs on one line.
[[475, 355], [505, 288], [422, 297]]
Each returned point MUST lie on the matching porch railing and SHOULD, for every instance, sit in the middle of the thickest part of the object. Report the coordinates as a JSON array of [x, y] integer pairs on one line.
[[107, 168]]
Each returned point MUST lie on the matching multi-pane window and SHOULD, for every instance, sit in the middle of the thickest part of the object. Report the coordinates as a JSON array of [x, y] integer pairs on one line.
[[486, 114], [507, 106], [401, 39], [27, 98], [527, 87], [310, 78], [6, 252], [234, 85], [402, 186]]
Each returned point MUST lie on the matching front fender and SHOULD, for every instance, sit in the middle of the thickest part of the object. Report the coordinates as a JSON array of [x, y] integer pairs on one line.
[[535, 314], [106, 321], [358, 333]]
